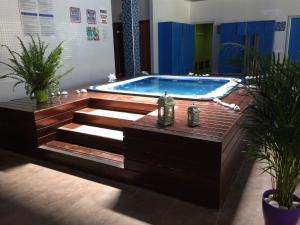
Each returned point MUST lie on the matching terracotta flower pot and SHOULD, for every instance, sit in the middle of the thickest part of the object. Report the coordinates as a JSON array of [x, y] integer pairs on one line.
[[41, 96], [278, 216]]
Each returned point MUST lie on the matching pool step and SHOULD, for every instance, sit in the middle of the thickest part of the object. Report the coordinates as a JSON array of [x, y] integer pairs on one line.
[[123, 106], [91, 136], [95, 155], [105, 118]]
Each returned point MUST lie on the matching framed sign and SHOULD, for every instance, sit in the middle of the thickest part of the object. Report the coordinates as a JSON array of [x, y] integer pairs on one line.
[[91, 16], [75, 15], [103, 17], [92, 33]]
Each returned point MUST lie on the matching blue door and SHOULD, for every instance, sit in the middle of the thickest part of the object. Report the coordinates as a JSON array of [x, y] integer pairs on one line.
[[264, 31], [229, 57], [165, 45], [176, 46], [294, 42]]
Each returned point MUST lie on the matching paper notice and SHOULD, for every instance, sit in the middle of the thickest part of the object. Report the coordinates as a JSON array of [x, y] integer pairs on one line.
[[103, 17], [47, 25], [104, 33], [30, 23], [91, 16], [37, 17], [45, 6], [75, 15]]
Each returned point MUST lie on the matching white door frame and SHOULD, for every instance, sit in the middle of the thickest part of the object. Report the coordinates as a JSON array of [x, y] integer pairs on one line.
[[213, 54]]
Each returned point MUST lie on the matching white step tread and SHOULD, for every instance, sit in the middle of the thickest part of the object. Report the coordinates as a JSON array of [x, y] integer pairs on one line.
[[95, 131], [111, 114]]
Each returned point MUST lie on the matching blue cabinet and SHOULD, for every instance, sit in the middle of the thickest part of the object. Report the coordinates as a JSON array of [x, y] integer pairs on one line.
[[231, 33], [258, 34], [294, 41], [176, 46]]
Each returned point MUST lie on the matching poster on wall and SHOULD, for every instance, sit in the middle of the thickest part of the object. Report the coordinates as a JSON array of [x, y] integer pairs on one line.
[[47, 24], [104, 33], [45, 7], [92, 33], [91, 16], [103, 17], [37, 17], [75, 15], [46, 17], [30, 23], [28, 5], [104, 28]]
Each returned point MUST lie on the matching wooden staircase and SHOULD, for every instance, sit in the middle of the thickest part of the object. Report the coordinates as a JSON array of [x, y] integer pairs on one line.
[[105, 118], [96, 133]]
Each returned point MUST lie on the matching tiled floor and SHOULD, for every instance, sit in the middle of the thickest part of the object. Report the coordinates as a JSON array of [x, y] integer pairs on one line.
[[35, 193]]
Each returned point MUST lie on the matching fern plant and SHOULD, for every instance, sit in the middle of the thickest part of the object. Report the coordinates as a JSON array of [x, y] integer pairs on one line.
[[36, 70], [274, 121]]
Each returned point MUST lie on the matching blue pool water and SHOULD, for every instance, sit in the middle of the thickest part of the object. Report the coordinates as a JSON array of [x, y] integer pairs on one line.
[[172, 86], [177, 86]]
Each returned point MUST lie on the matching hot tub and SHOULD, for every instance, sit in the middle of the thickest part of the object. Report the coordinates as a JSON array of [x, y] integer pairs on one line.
[[182, 87]]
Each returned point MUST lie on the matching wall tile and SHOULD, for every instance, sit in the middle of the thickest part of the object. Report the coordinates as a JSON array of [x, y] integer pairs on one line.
[[131, 37]]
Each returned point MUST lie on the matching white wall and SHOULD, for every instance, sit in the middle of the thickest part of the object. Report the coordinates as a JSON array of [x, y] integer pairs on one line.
[[92, 60], [116, 6], [220, 11], [144, 9], [279, 11], [164, 11]]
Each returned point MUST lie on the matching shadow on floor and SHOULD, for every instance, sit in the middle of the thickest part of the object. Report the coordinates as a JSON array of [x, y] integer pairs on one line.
[[9, 162], [17, 213], [143, 205], [232, 202], [158, 209]]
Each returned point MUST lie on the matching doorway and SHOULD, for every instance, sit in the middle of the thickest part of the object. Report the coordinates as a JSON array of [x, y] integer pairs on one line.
[[293, 39], [145, 51], [118, 49], [203, 48]]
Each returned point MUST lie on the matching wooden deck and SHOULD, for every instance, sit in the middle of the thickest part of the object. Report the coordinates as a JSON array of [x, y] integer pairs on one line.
[[197, 164]]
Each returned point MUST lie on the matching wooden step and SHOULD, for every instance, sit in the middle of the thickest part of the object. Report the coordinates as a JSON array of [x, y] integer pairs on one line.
[[105, 118], [90, 136], [91, 154], [123, 105]]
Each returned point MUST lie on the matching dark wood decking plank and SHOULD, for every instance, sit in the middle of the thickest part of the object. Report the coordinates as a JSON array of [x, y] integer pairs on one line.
[[110, 158]]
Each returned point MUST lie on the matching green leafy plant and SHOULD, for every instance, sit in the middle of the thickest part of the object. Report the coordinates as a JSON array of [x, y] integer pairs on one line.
[[274, 121], [33, 68]]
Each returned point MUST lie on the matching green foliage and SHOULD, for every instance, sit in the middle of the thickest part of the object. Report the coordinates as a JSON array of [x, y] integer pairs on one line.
[[274, 121], [33, 68]]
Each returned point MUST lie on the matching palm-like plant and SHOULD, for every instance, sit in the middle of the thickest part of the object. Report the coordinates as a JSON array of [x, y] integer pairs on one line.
[[34, 69], [274, 122]]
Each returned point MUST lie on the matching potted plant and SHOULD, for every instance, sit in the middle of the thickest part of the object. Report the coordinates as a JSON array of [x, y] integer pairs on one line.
[[274, 133], [35, 69]]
